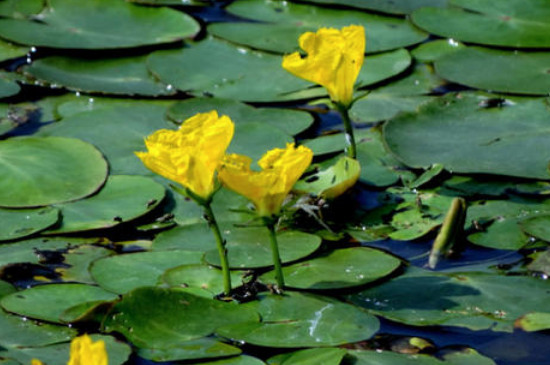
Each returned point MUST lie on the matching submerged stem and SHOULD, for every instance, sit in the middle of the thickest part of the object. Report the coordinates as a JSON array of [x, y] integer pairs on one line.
[[270, 224], [348, 130], [220, 244]]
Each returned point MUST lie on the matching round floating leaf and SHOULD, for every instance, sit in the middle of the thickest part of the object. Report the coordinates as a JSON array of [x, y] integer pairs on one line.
[[98, 24], [249, 248], [342, 268], [461, 133], [283, 23], [207, 278], [303, 320], [7, 87], [314, 356], [255, 139], [463, 357], [118, 131], [122, 76], [122, 199], [537, 226], [123, 273], [384, 6], [431, 51], [77, 261], [9, 51], [495, 70], [24, 222], [510, 23], [48, 170], [541, 262], [19, 332], [477, 301], [239, 360], [6, 288], [163, 318], [534, 322], [54, 299], [290, 121], [203, 348], [19, 9]]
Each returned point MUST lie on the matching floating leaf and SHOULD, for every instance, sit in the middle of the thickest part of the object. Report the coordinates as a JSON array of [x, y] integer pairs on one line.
[[277, 26], [303, 320], [511, 23], [314, 356], [48, 170], [384, 6], [123, 273], [99, 24], [464, 357], [434, 50], [496, 70], [537, 226], [535, 321], [18, 223], [121, 76], [78, 260], [9, 51], [202, 348], [122, 199], [338, 269], [8, 87], [54, 299], [467, 137], [333, 181], [163, 318]]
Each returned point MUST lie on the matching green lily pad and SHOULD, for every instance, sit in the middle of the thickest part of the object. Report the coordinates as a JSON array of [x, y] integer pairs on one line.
[[122, 199], [48, 170], [277, 26], [302, 320], [325, 356], [121, 76], [54, 299], [99, 24], [535, 321], [9, 51], [541, 262], [163, 318], [172, 2], [495, 70], [207, 278], [255, 139], [291, 122], [20, 9], [8, 87], [5, 288], [385, 6], [117, 131], [467, 137], [510, 23], [434, 50], [78, 259], [538, 227], [123, 273], [493, 186], [501, 222], [202, 348], [249, 247], [338, 269], [117, 351], [477, 301], [25, 222], [464, 357]]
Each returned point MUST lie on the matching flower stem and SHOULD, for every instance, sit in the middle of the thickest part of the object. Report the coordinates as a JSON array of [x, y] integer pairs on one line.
[[220, 244], [270, 224], [348, 130]]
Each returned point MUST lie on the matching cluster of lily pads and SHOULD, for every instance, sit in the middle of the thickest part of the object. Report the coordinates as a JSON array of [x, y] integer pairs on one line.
[[452, 104]]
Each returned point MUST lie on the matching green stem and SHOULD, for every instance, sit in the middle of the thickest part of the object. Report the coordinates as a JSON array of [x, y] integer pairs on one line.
[[270, 224], [220, 244], [348, 130]]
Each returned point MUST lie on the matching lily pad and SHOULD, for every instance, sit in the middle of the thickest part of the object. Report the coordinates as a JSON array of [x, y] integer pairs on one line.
[[398, 7], [291, 122], [467, 356], [325, 356], [237, 360], [9, 51], [121, 76], [202, 348], [537, 226], [535, 321], [434, 50], [123, 273], [54, 299], [8, 87], [338, 269], [25, 222], [20, 9], [77, 261], [48, 170], [249, 247], [162, 318], [207, 278], [477, 301], [99, 24], [510, 23], [467, 137], [117, 131], [303, 320], [277, 26], [122, 199], [495, 70]]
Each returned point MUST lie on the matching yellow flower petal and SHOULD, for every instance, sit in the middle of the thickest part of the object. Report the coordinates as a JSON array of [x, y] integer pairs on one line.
[[190, 155], [86, 352], [36, 362], [267, 189], [334, 59]]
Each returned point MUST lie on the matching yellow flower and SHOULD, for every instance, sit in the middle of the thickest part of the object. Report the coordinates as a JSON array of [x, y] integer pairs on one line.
[[267, 189], [190, 155], [334, 59], [84, 352]]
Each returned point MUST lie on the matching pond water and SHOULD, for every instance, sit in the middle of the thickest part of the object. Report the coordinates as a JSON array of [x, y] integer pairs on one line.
[[91, 241]]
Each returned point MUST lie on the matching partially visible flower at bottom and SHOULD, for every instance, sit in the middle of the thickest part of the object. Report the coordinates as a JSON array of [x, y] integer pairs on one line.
[[84, 352], [267, 189]]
